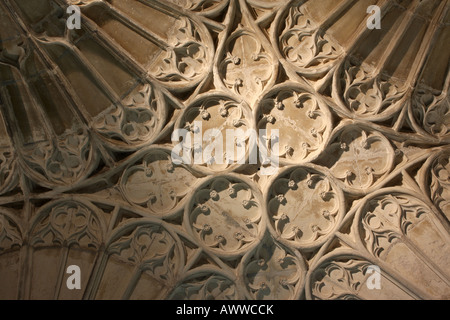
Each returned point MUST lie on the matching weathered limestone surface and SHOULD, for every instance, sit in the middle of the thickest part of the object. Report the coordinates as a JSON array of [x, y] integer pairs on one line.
[[87, 178]]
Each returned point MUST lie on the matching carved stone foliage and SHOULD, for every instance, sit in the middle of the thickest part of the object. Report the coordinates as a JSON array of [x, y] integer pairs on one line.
[[340, 280], [273, 271], [432, 112], [209, 121], [220, 225], [153, 182], [305, 207], [303, 121], [153, 252], [186, 56], [248, 67], [214, 287], [305, 45], [67, 223], [358, 158], [364, 94], [439, 179], [10, 234], [135, 121], [65, 162], [131, 147]]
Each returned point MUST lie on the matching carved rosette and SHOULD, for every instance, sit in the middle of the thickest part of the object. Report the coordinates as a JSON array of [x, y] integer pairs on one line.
[[304, 207], [216, 124], [247, 68], [224, 215], [358, 158], [302, 119], [153, 182], [274, 272]]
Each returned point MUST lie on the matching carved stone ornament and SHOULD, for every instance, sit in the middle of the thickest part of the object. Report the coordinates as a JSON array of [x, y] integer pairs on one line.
[[137, 145]]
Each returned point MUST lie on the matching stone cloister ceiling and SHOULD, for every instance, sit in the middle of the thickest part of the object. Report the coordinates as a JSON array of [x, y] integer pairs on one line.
[[87, 178]]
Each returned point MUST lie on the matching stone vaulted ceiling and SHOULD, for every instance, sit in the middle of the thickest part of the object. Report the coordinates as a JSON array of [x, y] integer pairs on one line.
[[87, 179]]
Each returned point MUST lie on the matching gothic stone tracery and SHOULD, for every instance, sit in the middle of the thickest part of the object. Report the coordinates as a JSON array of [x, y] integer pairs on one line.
[[87, 177]]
